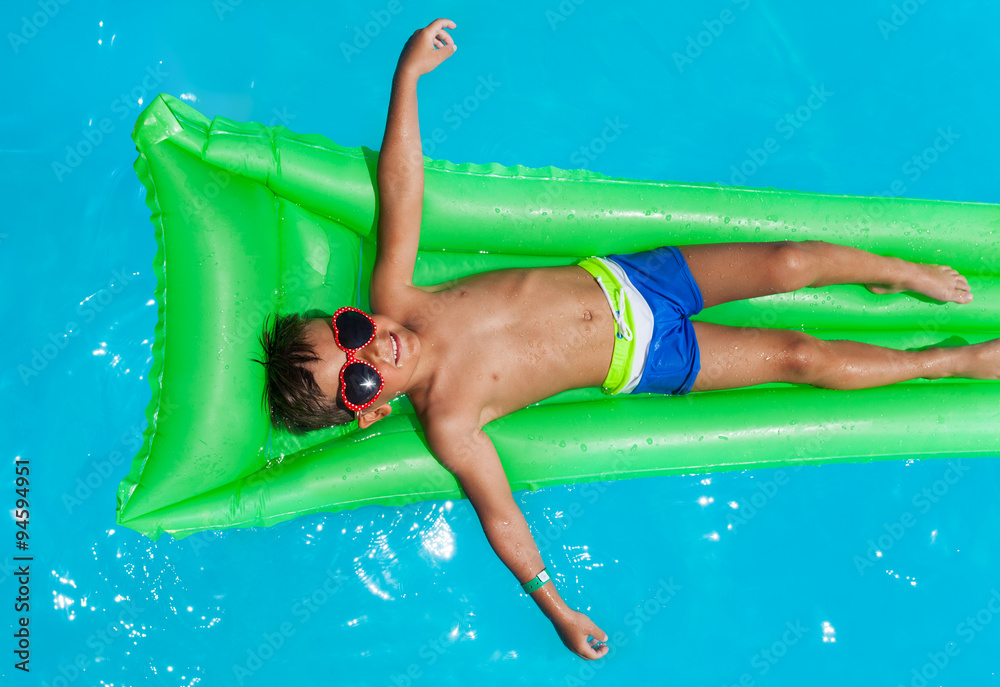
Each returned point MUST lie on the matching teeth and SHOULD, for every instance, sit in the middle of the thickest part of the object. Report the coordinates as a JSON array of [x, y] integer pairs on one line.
[[395, 352]]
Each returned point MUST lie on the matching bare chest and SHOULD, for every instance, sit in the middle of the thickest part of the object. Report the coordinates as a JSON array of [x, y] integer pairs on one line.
[[514, 337]]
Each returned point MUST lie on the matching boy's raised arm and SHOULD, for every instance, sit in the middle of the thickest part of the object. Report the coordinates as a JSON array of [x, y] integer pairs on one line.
[[400, 174]]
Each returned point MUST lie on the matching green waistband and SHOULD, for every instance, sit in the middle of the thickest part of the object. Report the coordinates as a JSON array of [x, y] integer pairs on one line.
[[624, 351]]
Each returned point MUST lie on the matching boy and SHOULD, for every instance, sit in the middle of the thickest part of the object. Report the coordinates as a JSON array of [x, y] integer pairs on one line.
[[474, 350]]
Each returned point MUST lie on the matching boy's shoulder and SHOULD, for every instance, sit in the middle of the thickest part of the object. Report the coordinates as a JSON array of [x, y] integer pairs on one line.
[[444, 410], [402, 303], [450, 431]]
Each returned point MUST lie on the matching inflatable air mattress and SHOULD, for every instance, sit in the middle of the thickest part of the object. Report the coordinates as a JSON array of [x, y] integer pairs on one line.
[[252, 220]]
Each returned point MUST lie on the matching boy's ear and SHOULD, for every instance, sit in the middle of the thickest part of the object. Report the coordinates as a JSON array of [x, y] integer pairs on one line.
[[370, 417]]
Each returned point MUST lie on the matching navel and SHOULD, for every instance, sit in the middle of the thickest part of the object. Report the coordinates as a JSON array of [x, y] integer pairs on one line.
[[587, 315]]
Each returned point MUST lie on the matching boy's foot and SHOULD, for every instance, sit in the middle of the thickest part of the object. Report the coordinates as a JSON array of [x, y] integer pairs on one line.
[[981, 361], [939, 282]]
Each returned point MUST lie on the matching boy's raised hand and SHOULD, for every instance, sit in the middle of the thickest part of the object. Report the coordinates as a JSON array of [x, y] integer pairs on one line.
[[419, 54]]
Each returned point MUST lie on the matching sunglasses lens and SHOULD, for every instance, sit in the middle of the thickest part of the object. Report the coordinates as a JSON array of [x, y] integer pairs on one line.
[[361, 383], [354, 330]]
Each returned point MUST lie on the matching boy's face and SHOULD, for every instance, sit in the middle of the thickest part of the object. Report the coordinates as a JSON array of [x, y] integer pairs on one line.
[[395, 363]]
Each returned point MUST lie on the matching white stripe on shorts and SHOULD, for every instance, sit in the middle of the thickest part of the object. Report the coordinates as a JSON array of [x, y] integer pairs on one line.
[[642, 316]]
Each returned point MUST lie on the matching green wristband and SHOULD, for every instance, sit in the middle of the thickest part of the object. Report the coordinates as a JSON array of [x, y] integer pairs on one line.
[[539, 579]]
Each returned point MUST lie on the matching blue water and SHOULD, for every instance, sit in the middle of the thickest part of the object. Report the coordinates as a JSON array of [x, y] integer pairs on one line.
[[818, 576]]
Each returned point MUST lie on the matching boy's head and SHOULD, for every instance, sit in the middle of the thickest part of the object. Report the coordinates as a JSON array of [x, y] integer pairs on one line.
[[303, 365]]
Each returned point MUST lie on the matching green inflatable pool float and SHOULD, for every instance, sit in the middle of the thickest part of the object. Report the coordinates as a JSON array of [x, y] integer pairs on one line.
[[251, 220]]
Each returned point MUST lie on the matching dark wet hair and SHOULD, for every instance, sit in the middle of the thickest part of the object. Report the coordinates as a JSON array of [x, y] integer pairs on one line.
[[292, 394]]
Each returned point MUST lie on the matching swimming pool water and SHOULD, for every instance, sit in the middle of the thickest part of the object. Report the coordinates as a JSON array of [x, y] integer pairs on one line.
[[880, 573]]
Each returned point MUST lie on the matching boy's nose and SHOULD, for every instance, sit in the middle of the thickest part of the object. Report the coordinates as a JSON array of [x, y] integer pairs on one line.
[[379, 351]]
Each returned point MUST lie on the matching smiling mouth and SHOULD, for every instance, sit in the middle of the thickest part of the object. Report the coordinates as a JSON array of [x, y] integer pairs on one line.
[[395, 348]]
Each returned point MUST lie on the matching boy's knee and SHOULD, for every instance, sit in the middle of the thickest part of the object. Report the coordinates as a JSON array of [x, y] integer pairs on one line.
[[804, 359], [793, 265]]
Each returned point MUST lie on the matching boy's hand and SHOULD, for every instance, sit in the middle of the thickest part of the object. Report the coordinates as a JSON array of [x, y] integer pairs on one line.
[[574, 628], [419, 55]]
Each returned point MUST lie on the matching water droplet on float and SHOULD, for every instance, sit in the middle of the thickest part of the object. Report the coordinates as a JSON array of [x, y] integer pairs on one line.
[[583, 447], [562, 444], [649, 441]]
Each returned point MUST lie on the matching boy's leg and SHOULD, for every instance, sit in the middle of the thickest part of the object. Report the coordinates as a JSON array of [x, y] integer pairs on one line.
[[733, 357], [734, 271]]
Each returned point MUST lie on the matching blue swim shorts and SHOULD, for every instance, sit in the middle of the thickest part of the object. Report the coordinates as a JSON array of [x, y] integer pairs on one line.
[[655, 348]]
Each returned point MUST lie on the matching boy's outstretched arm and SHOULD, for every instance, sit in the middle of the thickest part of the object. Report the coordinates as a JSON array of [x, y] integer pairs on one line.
[[471, 457], [400, 173]]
